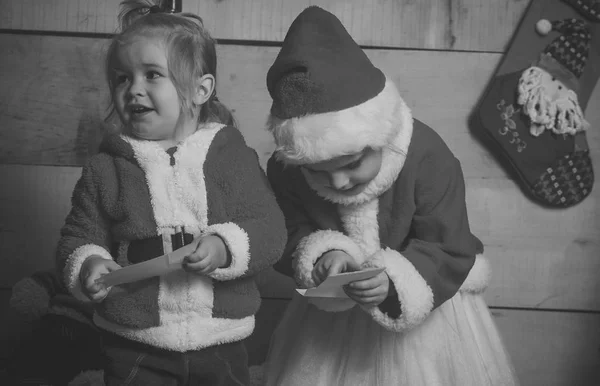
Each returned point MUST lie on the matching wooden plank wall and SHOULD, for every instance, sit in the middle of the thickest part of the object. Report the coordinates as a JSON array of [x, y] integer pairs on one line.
[[544, 292]]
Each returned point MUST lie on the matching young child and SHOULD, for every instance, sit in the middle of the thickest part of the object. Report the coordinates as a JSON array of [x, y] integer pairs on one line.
[[174, 175], [363, 184]]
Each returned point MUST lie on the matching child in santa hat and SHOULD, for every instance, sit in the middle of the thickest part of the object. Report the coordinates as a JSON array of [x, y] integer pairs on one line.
[[364, 184]]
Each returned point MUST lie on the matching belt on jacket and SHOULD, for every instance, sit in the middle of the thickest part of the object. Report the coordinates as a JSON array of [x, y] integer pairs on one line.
[[146, 249]]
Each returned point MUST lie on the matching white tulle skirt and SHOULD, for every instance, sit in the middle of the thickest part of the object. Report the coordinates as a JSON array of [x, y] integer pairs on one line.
[[458, 344]]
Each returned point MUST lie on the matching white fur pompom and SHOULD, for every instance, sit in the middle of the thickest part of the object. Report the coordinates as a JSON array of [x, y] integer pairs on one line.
[[543, 27]]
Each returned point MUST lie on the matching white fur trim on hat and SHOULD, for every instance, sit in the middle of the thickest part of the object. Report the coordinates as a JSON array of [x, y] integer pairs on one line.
[[479, 276], [393, 158], [313, 246], [320, 137], [414, 294]]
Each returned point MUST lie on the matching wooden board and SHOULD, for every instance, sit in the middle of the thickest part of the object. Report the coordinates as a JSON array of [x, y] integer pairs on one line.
[[56, 98], [540, 258], [552, 266], [552, 348], [477, 25], [33, 205], [547, 348]]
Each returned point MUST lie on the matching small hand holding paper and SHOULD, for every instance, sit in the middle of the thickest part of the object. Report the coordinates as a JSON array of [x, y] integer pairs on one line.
[[210, 254], [332, 263], [92, 269], [369, 292]]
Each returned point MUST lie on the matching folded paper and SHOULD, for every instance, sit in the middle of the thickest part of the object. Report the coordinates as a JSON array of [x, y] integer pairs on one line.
[[155, 267], [332, 287]]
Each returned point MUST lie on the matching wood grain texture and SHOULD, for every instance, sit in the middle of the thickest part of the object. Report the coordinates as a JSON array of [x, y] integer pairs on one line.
[[477, 25], [555, 266], [547, 348], [540, 258], [55, 98], [33, 205]]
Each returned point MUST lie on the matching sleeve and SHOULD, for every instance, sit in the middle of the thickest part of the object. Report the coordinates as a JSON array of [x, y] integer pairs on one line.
[[254, 232], [441, 255], [85, 232], [306, 243]]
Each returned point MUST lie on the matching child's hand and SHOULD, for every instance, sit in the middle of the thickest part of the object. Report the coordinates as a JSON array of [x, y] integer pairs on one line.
[[369, 292], [92, 269], [331, 263], [210, 254]]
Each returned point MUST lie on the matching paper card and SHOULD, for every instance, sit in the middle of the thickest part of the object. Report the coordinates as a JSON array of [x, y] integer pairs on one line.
[[332, 287], [155, 267]]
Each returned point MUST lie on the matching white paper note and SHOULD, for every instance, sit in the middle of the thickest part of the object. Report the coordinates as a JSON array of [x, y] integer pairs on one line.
[[332, 287], [155, 267]]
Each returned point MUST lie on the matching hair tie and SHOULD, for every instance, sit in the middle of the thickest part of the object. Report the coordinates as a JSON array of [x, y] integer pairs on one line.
[[213, 96], [171, 6], [155, 9]]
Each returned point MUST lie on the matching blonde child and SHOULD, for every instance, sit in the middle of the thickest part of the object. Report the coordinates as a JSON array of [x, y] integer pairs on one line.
[[364, 184], [177, 173]]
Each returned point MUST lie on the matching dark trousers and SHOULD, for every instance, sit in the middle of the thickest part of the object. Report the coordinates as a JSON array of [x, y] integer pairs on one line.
[[56, 350], [133, 363]]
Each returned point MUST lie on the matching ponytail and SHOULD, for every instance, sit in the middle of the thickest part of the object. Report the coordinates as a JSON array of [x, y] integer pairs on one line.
[[216, 111]]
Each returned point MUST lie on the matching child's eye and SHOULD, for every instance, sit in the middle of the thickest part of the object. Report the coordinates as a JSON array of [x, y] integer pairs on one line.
[[316, 172], [120, 79], [354, 165], [152, 75]]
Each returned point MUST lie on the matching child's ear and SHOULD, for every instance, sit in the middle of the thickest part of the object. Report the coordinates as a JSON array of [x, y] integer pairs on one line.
[[205, 86]]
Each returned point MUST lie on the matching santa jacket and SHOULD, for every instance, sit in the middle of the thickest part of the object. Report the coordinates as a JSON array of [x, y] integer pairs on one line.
[[411, 219], [136, 201]]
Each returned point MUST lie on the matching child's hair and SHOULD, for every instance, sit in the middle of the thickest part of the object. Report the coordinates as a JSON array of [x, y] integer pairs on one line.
[[190, 50]]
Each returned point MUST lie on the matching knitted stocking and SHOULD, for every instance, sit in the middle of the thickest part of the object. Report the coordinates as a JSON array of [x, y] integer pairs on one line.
[[533, 108]]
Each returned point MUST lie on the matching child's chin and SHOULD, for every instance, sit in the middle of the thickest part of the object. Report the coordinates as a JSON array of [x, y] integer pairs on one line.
[[357, 189], [142, 134]]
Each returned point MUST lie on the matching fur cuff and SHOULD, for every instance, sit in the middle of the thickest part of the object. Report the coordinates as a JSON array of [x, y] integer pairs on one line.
[[236, 240], [313, 246], [414, 295], [73, 267], [479, 277]]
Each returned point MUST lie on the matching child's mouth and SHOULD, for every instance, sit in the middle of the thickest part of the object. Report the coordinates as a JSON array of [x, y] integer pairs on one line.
[[351, 191], [139, 110]]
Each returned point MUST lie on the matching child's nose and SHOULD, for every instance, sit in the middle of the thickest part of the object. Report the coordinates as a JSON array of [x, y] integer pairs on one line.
[[339, 180], [136, 88]]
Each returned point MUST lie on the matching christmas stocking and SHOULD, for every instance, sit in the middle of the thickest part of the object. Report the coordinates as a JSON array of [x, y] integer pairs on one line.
[[533, 109]]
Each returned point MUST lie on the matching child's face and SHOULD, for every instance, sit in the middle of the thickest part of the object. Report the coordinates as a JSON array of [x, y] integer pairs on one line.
[[145, 97], [347, 175]]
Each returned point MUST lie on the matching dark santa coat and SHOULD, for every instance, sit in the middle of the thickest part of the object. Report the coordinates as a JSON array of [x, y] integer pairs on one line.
[[411, 219], [135, 202]]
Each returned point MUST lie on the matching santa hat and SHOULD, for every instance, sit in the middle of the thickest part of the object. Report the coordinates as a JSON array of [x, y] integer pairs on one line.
[[328, 98], [590, 9], [566, 56]]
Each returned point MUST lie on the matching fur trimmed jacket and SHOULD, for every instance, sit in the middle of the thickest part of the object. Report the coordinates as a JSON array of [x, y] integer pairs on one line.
[[136, 201], [411, 219]]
